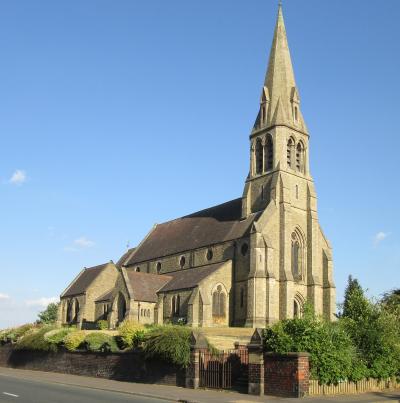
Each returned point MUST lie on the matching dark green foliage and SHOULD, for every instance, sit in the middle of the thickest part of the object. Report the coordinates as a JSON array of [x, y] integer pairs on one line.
[[100, 342], [170, 343], [49, 315], [333, 357], [36, 341], [355, 303], [376, 333]]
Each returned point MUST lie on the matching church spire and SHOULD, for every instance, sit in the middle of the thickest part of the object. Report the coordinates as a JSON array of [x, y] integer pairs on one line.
[[280, 102]]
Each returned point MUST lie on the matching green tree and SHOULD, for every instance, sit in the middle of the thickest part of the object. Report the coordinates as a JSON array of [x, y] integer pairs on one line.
[[49, 315], [355, 306], [391, 302]]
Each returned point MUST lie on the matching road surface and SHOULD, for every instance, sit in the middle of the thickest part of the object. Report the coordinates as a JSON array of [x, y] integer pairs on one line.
[[15, 390]]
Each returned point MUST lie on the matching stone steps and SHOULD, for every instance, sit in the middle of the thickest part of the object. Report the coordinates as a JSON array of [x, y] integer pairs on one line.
[[224, 338]]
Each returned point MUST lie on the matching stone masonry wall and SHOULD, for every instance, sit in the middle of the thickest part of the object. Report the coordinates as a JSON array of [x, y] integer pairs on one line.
[[118, 366]]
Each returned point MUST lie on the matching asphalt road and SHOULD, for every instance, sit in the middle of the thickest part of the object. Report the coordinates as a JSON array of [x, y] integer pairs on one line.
[[13, 390]]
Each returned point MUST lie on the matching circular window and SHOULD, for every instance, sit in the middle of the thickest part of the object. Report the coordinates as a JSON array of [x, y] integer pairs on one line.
[[209, 254], [182, 261], [244, 249]]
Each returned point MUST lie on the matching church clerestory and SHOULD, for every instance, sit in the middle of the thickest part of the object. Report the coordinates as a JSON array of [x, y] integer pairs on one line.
[[248, 262]]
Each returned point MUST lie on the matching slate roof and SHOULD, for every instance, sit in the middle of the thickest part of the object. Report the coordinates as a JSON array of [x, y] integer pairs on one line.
[[211, 226], [124, 257], [84, 280], [190, 278], [105, 297], [146, 285]]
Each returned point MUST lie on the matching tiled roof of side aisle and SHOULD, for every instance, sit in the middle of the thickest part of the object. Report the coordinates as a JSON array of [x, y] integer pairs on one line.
[[83, 281], [211, 226], [190, 278], [146, 285]]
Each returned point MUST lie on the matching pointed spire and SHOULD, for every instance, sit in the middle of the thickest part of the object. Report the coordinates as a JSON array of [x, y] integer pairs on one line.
[[280, 83]]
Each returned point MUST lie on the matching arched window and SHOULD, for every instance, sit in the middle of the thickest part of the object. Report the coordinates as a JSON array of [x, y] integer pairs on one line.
[[298, 304], [175, 305], [76, 310], [300, 157], [296, 114], [296, 309], [158, 267], [209, 254], [69, 311], [121, 307], [182, 261], [290, 146], [269, 153], [259, 157], [219, 303], [298, 254], [137, 269]]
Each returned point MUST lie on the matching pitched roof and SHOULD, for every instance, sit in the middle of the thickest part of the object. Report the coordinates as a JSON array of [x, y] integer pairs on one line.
[[105, 297], [190, 278], [124, 257], [211, 226], [146, 285], [84, 280]]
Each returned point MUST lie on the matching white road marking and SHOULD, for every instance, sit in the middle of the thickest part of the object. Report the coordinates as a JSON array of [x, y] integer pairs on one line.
[[10, 394]]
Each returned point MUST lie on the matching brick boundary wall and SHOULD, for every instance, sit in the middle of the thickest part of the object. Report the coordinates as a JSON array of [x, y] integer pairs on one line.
[[286, 375], [131, 366]]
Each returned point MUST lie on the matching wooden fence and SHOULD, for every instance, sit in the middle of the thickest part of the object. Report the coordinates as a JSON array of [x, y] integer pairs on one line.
[[363, 386]]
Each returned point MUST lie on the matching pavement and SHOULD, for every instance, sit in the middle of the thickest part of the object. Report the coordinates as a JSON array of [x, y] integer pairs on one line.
[[47, 387]]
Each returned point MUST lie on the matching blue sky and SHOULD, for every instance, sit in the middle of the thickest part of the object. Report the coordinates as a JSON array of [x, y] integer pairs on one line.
[[118, 115]]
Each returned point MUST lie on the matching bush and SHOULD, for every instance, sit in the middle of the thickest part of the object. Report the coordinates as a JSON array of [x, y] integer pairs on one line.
[[74, 340], [102, 324], [333, 356], [97, 341], [170, 343], [375, 331], [12, 335], [57, 336], [36, 341], [131, 334]]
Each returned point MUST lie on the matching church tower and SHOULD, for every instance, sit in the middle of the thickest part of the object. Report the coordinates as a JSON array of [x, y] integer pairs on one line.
[[291, 259]]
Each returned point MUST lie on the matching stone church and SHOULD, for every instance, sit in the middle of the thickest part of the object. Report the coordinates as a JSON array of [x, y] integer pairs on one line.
[[247, 262]]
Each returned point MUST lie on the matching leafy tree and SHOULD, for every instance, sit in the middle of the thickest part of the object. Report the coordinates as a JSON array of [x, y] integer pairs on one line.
[[49, 315], [391, 302]]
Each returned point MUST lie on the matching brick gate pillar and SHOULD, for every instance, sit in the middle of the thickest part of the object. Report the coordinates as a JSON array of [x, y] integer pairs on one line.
[[198, 343], [256, 364]]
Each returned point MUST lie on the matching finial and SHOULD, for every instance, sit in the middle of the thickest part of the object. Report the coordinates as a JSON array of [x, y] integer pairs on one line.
[[280, 3]]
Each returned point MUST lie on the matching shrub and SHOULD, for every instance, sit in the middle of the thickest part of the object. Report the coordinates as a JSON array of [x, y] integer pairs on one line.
[[12, 335], [131, 334], [98, 341], [333, 356], [74, 340], [170, 343], [375, 331], [102, 324], [57, 336], [36, 341]]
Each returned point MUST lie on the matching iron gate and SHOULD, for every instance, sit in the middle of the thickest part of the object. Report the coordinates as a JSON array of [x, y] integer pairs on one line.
[[224, 370]]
